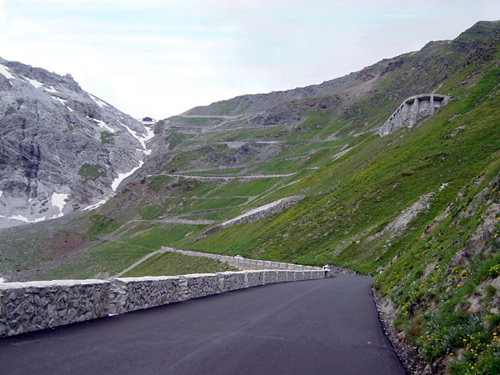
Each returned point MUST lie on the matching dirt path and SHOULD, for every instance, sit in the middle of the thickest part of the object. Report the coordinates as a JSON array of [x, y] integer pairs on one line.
[[161, 251], [226, 177]]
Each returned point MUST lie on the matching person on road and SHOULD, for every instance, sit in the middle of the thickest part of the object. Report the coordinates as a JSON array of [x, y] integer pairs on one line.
[[326, 269]]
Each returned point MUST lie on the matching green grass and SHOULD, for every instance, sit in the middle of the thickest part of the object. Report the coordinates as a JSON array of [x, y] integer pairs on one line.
[[172, 264], [180, 186], [151, 212], [217, 215], [176, 139], [91, 171], [360, 179], [113, 257], [232, 171], [201, 121], [10, 111], [209, 205], [242, 187], [107, 137]]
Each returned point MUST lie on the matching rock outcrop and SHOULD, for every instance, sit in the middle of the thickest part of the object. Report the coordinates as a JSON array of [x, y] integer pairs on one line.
[[62, 149]]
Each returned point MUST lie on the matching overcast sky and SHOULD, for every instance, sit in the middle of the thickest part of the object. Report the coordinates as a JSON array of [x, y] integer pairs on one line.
[[160, 58]]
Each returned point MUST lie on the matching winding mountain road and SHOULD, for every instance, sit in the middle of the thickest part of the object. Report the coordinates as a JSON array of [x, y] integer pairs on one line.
[[322, 327]]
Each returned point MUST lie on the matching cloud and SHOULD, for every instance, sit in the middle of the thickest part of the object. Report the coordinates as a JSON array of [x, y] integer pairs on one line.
[[160, 57]]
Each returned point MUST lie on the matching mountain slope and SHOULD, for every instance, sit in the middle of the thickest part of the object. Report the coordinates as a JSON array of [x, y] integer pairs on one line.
[[62, 149]]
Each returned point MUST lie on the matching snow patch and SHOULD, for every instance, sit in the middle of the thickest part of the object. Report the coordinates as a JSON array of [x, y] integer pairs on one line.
[[34, 82], [141, 138], [57, 99], [59, 201], [1, 193], [94, 206], [25, 219], [2, 280], [97, 101], [122, 176], [102, 124], [441, 188], [69, 109], [235, 145], [51, 89], [5, 71]]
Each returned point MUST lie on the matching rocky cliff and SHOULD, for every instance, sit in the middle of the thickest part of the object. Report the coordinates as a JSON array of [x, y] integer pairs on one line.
[[61, 148]]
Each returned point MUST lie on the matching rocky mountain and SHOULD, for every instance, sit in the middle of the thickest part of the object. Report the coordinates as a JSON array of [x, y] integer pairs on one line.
[[61, 148]]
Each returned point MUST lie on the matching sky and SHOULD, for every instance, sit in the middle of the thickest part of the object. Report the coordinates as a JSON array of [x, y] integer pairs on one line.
[[159, 58]]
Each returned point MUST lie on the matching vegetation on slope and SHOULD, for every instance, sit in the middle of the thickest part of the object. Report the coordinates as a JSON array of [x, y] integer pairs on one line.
[[171, 264]]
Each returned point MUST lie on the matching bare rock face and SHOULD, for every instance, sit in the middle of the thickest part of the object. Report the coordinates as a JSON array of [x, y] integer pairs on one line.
[[61, 148]]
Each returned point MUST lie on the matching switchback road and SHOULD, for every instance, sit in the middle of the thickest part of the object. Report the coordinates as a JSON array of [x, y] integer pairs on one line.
[[314, 327]]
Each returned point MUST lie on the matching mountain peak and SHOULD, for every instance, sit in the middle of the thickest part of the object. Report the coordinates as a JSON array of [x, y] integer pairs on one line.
[[62, 149]]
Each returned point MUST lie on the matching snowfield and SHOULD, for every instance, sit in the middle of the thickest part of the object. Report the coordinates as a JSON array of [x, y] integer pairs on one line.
[[122, 176], [34, 82], [25, 219], [57, 99], [94, 206], [141, 138], [5, 71], [102, 124], [51, 89], [59, 201], [97, 101]]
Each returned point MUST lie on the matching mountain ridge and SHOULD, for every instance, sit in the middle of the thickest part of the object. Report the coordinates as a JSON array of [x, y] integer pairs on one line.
[[62, 148]]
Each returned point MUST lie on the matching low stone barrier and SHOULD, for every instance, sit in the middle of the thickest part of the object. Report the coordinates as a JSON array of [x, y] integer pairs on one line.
[[38, 305], [255, 214], [243, 263], [129, 294], [32, 306]]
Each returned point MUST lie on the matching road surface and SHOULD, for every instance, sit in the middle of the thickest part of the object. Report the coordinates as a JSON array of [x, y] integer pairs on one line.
[[312, 327]]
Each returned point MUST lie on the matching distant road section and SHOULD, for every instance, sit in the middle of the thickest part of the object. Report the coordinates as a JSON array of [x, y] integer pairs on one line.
[[314, 327]]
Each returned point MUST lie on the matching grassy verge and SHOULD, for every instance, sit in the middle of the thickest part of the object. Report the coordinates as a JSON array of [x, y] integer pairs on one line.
[[171, 264]]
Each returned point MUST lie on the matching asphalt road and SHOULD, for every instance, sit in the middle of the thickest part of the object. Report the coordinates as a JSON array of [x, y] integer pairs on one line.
[[311, 327]]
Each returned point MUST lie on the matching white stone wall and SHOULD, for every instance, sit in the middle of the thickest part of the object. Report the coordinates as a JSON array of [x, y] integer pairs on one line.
[[32, 306], [243, 263], [411, 111]]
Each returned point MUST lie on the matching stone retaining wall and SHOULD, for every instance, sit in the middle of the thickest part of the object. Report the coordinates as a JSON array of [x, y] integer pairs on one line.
[[38, 305], [258, 213], [412, 110], [244, 263], [32, 306]]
